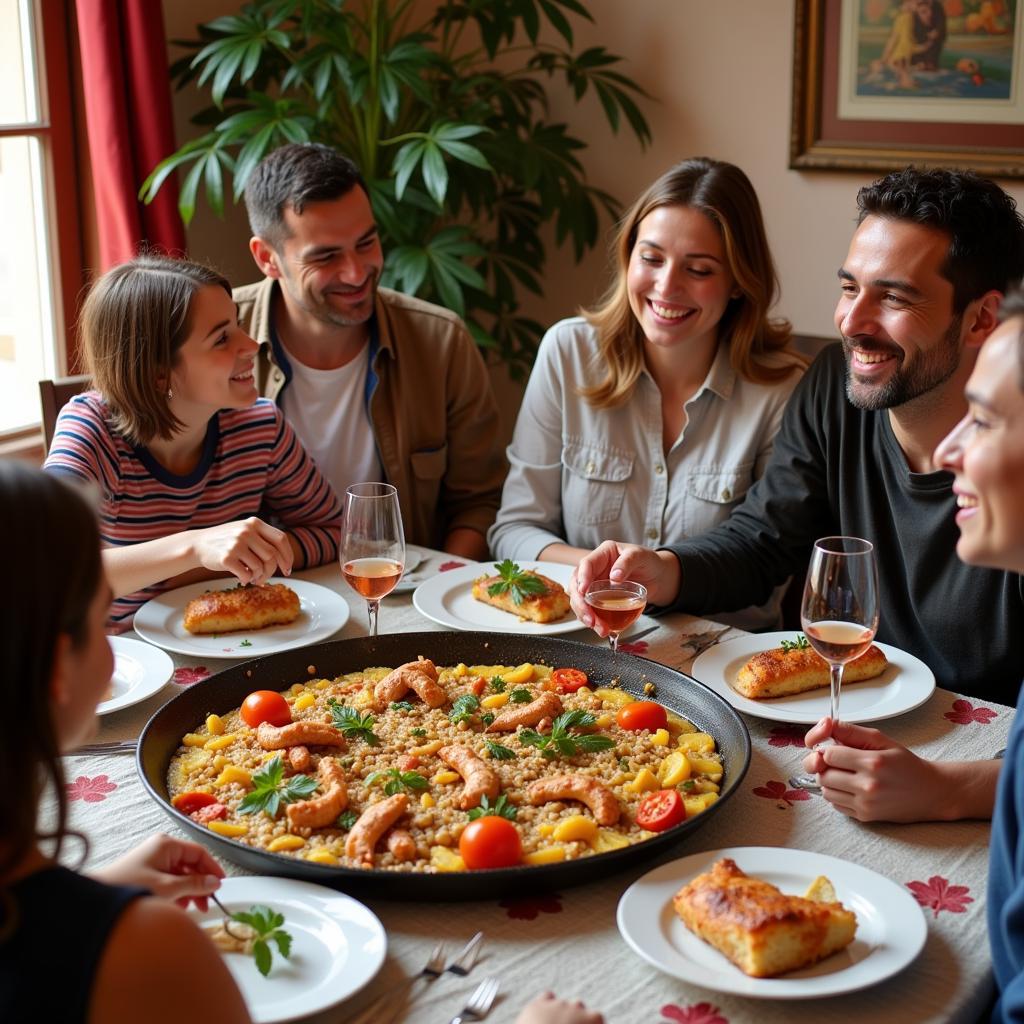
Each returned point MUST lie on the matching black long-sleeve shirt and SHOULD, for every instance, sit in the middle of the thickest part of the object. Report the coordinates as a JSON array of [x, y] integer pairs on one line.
[[837, 469]]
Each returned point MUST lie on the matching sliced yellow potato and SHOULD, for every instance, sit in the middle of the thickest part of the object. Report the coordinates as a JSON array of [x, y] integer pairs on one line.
[[445, 860], [286, 843], [226, 828], [698, 742], [606, 840], [700, 802], [322, 856], [578, 827], [545, 855], [674, 769], [522, 674], [645, 781]]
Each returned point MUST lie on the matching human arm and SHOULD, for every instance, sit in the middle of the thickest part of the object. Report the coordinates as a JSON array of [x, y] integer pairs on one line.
[[159, 967], [465, 542], [172, 869], [547, 1008], [870, 777]]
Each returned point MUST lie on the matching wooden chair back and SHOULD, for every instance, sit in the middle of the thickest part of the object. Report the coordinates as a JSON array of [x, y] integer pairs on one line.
[[54, 395]]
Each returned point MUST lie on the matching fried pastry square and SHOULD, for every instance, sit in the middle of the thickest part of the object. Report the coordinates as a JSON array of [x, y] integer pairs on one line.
[[242, 607], [763, 931], [779, 673], [547, 606]]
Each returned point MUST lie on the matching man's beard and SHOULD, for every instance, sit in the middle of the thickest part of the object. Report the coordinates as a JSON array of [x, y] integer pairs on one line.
[[926, 371], [326, 313]]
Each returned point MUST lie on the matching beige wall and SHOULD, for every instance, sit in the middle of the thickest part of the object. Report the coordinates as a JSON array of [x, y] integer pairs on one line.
[[720, 73]]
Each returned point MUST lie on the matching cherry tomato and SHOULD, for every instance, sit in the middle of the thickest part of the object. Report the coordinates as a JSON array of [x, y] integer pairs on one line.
[[490, 842], [569, 680], [265, 706], [409, 762], [661, 810], [213, 812], [642, 714], [189, 803]]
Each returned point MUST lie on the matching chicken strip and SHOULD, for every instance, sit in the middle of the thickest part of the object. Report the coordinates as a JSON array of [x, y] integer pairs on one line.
[[299, 759], [480, 779], [324, 809], [596, 795], [547, 705], [419, 676], [306, 733], [401, 844], [372, 824]]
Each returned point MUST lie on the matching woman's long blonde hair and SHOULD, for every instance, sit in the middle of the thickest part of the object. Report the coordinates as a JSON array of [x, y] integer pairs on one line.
[[723, 193]]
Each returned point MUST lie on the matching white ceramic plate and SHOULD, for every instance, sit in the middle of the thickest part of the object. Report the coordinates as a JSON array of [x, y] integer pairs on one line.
[[447, 598], [161, 622], [413, 557], [891, 928], [906, 684], [338, 945], [140, 670]]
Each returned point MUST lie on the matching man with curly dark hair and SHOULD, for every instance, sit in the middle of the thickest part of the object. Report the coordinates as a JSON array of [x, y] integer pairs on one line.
[[933, 253]]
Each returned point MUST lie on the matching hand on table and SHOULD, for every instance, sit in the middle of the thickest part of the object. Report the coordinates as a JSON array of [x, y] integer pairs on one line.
[[250, 549], [172, 869], [658, 571], [549, 1009]]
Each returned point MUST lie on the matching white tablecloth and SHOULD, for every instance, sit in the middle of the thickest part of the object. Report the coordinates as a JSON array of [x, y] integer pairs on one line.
[[569, 942]]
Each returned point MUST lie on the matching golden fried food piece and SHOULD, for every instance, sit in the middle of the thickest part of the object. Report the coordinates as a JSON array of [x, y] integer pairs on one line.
[[547, 606], [242, 607], [779, 673], [763, 931]]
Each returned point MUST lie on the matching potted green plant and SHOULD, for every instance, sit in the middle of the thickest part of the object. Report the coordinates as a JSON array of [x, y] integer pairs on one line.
[[445, 112]]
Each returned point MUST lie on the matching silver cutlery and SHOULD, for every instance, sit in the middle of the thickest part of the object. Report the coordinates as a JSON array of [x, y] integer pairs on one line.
[[111, 747], [395, 998], [479, 1003], [700, 642], [464, 962]]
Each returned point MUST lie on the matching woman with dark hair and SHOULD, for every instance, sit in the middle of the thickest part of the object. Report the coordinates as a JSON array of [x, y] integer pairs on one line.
[[650, 415], [130, 950], [189, 462]]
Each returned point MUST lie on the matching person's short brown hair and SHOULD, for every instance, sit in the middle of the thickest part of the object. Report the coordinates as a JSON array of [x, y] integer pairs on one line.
[[1011, 308], [134, 320]]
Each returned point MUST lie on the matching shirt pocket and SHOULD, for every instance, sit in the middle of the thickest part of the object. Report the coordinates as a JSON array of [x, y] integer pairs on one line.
[[594, 483], [712, 494], [429, 464]]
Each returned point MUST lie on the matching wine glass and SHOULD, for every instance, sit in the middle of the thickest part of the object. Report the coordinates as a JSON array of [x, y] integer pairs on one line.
[[839, 613], [616, 606], [372, 544]]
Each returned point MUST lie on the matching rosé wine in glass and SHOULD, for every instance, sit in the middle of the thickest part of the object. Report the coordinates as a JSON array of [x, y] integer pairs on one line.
[[616, 606], [372, 577]]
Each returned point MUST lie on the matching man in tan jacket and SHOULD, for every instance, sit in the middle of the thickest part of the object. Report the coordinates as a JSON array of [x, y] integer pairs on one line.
[[378, 385]]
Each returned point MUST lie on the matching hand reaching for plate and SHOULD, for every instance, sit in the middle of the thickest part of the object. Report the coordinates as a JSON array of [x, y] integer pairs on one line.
[[250, 549]]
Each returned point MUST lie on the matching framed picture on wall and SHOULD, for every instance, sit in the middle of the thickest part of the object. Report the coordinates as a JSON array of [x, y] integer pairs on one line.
[[878, 84]]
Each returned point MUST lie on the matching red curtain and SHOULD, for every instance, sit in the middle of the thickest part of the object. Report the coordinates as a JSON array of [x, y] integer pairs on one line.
[[128, 116]]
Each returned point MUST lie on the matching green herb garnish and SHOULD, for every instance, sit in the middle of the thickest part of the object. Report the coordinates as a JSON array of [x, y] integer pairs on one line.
[[463, 707], [347, 819], [498, 684], [245, 643], [270, 789], [501, 808], [687, 785], [487, 717], [500, 752], [417, 732], [515, 581], [799, 644], [520, 695], [266, 924], [558, 741], [352, 724], [401, 705], [397, 780]]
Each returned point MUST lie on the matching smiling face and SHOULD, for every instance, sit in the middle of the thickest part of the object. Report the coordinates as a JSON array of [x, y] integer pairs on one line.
[[985, 452], [895, 313], [331, 260], [213, 369], [679, 281]]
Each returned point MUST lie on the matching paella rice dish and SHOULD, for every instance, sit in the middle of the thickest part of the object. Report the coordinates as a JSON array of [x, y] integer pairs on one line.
[[428, 769]]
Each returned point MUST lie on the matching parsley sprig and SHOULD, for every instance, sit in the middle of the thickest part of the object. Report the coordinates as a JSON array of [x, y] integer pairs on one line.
[[518, 582], [270, 790], [799, 644], [266, 924], [497, 684], [352, 724], [501, 808], [401, 705], [347, 819], [397, 780], [500, 752], [559, 741], [463, 708], [520, 695]]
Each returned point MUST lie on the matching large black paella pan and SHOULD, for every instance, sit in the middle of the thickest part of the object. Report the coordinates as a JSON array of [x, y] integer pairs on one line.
[[226, 690]]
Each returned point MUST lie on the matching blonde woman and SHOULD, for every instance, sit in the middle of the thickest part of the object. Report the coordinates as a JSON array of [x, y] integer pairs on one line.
[[649, 417]]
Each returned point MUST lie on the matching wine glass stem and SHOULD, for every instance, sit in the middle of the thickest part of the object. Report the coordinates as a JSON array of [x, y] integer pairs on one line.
[[372, 608], [613, 640], [835, 684]]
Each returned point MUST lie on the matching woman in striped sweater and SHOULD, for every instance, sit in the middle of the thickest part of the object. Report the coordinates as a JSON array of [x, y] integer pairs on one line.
[[189, 463]]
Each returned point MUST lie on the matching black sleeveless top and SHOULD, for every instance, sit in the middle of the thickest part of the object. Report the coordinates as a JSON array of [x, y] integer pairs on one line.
[[54, 927]]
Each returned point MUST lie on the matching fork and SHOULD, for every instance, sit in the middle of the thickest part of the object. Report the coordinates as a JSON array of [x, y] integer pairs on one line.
[[479, 1002], [433, 968], [463, 963], [111, 747]]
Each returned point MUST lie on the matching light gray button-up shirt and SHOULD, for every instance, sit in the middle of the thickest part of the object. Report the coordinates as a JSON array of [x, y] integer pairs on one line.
[[582, 475]]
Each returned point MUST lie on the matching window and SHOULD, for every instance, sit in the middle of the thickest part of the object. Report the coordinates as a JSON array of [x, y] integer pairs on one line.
[[41, 248]]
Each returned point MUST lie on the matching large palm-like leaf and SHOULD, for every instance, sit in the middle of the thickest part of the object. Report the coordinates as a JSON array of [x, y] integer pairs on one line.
[[464, 165]]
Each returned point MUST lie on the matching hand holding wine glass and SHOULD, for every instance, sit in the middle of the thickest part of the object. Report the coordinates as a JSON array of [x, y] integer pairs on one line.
[[616, 606], [839, 612], [372, 544]]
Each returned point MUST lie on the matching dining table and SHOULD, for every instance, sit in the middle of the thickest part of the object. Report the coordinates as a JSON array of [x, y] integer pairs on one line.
[[567, 941]]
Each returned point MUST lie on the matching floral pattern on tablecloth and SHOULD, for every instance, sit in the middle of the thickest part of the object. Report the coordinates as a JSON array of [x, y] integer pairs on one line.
[[529, 908], [445, 566], [780, 792], [92, 791], [186, 676], [698, 1013], [787, 736], [965, 713], [633, 647], [937, 895]]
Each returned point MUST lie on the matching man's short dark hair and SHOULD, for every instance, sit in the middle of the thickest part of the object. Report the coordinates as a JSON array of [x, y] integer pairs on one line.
[[986, 248], [1011, 308], [293, 176]]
